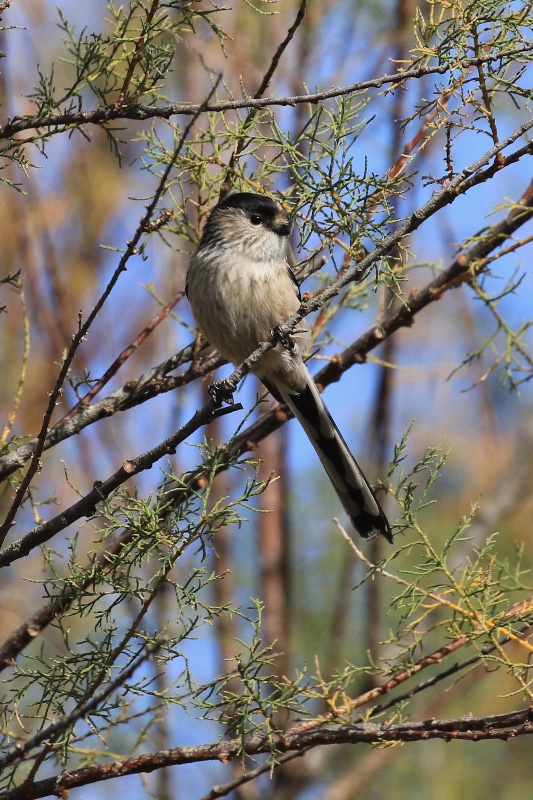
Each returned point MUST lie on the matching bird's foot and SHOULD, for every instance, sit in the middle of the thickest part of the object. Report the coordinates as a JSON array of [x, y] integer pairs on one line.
[[220, 393], [284, 339]]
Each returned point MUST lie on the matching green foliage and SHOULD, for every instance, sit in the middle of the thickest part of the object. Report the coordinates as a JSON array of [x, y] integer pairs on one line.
[[125, 601]]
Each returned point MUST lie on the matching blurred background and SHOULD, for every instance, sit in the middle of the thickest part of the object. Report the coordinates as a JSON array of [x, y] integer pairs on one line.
[[64, 221]]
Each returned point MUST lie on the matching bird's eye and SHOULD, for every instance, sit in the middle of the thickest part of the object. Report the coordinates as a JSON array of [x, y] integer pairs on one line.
[[256, 219]]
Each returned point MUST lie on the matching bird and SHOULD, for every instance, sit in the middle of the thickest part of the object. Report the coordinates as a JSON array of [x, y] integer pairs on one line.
[[242, 289]]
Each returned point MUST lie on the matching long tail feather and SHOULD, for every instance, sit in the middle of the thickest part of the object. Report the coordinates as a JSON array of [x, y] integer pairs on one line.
[[352, 487]]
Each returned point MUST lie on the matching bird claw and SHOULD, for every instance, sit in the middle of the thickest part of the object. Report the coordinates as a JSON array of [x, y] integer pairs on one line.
[[220, 394], [284, 339]]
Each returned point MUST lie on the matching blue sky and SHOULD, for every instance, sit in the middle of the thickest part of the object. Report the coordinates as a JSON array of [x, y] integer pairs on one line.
[[426, 353]]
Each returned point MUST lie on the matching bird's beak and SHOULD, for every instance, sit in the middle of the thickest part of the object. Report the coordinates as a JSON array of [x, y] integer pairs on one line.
[[282, 225]]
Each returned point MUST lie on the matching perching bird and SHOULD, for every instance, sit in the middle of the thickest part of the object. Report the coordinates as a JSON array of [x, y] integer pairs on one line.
[[241, 289]]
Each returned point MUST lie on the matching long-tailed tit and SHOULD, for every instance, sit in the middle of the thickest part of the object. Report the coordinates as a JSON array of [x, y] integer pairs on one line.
[[241, 289]]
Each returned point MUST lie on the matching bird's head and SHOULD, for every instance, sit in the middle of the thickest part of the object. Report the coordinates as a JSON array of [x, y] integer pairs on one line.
[[252, 224]]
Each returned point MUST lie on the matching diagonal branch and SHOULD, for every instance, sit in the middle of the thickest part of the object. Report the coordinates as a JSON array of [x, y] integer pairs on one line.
[[252, 112], [458, 272], [131, 249], [150, 384], [403, 316], [102, 489], [122, 358], [66, 721]]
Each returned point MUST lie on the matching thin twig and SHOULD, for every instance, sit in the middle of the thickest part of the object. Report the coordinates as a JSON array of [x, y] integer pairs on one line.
[[250, 775], [136, 57], [131, 249], [121, 359], [143, 112], [21, 748], [87, 505], [252, 112], [473, 729]]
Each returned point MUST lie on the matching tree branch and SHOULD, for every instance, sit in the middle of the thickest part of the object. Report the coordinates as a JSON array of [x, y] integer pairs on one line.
[[501, 726], [404, 316], [87, 505], [67, 720], [131, 249], [144, 112]]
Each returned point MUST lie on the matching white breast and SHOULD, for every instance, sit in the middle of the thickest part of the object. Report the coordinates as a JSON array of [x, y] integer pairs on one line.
[[238, 302]]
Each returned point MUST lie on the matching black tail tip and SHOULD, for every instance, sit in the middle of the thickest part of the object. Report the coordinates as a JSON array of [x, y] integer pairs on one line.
[[367, 524]]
